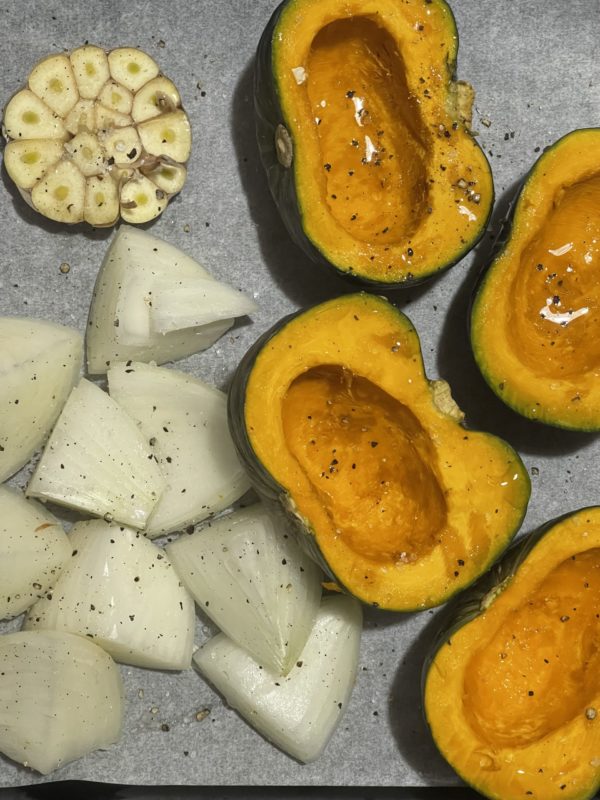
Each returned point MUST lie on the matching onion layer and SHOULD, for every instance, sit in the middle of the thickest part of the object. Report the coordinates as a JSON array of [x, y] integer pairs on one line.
[[33, 549], [185, 423], [139, 269], [97, 461], [39, 364], [255, 583], [299, 712], [121, 590], [60, 698]]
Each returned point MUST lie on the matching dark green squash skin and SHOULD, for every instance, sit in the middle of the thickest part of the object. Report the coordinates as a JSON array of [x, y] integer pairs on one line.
[[268, 115], [473, 601], [270, 492], [501, 241], [262, 480], [273, 494], [281, 180]]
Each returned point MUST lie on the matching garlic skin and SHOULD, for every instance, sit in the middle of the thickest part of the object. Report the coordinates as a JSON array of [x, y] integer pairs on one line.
[[97, 136]]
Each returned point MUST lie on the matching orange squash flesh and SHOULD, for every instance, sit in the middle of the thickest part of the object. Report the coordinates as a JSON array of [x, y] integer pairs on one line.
[[556, 309], [390, 184], [537, 314], [358, 446], [513, 697], [385, 160], [403, 504]]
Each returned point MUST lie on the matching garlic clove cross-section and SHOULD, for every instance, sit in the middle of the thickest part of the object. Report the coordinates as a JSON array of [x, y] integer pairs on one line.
[[97, 136]]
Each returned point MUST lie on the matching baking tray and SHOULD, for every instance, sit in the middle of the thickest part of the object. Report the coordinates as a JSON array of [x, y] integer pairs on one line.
[[534, 66]]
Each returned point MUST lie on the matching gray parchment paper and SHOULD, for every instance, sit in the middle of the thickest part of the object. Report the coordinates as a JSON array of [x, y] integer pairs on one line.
[[535, 68]]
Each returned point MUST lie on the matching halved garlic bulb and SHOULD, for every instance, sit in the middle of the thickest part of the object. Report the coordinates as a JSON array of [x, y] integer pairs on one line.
[[96, 136]]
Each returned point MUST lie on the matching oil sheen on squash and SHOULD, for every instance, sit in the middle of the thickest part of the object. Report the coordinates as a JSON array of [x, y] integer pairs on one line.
[[360, 447], [389, 186], [400, 503], [555, 316], [371, 134], [513, 696], [537, 313]]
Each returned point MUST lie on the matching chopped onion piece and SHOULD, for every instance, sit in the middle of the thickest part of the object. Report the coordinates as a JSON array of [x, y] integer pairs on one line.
[[121, 590], [190, 303], [98, 461], [28, 117], [299, 712], [255, 583], [39, 365], [60, 698], [185, 423], [136, 269], [33, 549]]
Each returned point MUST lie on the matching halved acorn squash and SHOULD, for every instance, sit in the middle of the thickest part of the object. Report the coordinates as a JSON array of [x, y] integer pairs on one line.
[[364, 135], [536, 315], [512, 690], [335, 420]]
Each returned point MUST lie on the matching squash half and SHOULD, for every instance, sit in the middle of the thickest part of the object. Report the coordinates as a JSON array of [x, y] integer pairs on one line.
[[536, 315], [363, 133], [512, 690], [334, 419]]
